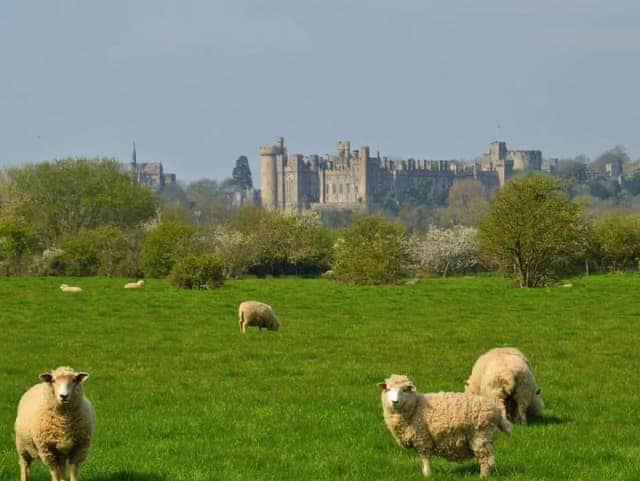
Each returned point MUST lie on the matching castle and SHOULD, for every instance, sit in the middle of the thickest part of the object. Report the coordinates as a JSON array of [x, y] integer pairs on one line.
[[352, 179]]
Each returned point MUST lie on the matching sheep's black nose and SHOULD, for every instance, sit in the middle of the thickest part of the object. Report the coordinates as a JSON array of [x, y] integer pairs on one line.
[[64, 397]]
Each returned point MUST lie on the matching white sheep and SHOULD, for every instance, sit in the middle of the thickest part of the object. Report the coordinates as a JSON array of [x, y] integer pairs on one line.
[[134, 285], [254, 313], [55, 422], [67, 288], [455, 426], [504, 375]]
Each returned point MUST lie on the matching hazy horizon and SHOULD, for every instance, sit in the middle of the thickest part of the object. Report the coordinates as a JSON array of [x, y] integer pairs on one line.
[[198, 83]]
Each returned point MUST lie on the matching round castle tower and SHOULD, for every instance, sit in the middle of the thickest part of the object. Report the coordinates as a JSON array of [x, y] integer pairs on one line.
[[268, 174]]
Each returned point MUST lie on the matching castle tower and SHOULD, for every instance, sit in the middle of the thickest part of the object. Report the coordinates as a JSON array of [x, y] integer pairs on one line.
[[363, 188], [269, 174], [498, 151]]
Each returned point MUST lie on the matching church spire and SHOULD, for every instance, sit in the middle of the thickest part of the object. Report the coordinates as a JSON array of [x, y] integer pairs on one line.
[[134, 153]]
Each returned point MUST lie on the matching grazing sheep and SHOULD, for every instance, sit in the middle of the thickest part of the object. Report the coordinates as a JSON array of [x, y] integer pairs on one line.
[[54, 423], [134, 285], [504, 375], [254, 313], [67, 288], [455, 426]]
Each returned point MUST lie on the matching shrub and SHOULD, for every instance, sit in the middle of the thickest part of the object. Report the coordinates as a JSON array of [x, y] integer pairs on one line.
[[17, 242], [197, 272], [443, 251], [372, 251], [164, 244], [616, 241], [105, 251]]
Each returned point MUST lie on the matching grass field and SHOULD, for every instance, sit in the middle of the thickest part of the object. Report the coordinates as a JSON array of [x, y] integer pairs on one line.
[[181, 395]]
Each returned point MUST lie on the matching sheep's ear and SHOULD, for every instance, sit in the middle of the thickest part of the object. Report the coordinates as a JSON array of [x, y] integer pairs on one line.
[[466, 383], [82, 376], [46, 377], [411, 388], [382, 386], [538, 391]]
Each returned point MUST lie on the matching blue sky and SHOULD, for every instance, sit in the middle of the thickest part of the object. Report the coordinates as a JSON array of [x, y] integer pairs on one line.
[[197, 83]]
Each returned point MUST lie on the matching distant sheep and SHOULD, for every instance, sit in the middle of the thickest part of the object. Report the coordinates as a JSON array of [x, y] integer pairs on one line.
[[67, 288], [455, 426], [254, 313], [55, 422], [504, 375], [134, 285]]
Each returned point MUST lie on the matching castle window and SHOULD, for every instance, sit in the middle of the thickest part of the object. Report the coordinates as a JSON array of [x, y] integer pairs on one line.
[[340, 188]]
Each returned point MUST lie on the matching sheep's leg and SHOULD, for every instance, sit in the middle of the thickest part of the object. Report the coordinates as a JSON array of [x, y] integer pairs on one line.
[[75, 467], [25, 468], [78, 455], [483, 450], [522, 399], [57, 472], [426, 465]]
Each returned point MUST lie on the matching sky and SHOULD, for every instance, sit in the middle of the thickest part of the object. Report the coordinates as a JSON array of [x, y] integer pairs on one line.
[[198, 83]]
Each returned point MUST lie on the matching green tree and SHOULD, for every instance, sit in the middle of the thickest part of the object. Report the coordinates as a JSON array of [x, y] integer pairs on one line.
[[371, 251], [617, 240], [242, 173], [105, 251], [533, 230], [164, 244], [66, 196], [466, 203], [17, 242]]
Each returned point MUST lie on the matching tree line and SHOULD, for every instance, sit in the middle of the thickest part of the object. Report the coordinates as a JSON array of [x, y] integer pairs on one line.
[[84, 217]]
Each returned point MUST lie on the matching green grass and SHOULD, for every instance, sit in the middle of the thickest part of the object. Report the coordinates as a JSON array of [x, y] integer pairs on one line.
[[180, 394]]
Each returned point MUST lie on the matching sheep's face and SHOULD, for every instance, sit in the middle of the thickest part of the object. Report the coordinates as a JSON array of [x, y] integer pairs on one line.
[[397, 391], [64, 383], [537, 404], [467, 389]]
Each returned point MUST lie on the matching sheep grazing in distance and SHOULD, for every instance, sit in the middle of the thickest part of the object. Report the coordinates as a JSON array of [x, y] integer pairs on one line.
[[67, 288], [134, 285], [504, 375], [455, 426], [254, 313], [55, 422]]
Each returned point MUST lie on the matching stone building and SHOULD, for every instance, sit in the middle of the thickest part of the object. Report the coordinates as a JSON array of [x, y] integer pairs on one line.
[[151, 174], [351, 179]]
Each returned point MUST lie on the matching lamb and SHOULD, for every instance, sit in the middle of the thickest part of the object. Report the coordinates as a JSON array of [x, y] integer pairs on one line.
[[254, 313], [134, 285], [504, 375], [67, 288], [455, 426], [55, 422]]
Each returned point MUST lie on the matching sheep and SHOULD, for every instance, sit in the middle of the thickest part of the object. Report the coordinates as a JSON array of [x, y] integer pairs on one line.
[[55, 422], [504, 375], [134, 285], [455, 426], [254, 313], [67, 288]]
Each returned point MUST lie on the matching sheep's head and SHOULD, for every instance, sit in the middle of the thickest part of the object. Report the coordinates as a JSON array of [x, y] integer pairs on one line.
[[63, 286], [397, 392], [537, 404], [65, 383], [140, 283]]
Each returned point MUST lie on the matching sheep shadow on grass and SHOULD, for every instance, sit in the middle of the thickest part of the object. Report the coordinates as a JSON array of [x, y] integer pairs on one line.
[[547, 420], [128, 476]]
